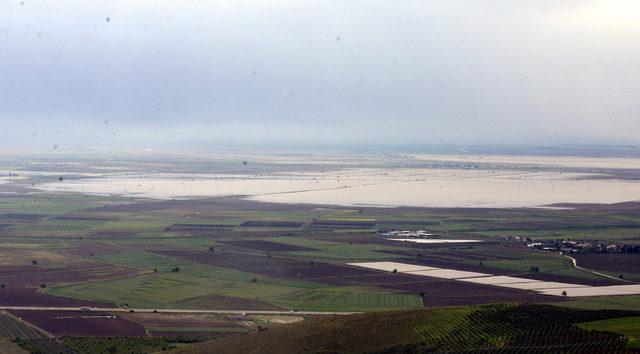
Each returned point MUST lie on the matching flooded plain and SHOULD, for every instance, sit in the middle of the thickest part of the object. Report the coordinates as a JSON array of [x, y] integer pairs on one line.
[[387, 187], [492, 181]]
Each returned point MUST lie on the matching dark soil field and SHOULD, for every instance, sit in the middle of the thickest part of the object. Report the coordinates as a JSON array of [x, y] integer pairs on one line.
[[22, 216], [90, 249], [277, 267], [197, 227], [451, 260], [610, 262], [342, 224], [272, 224], [25, 276], [572, 280], [440, 292], [23, 296], [22, 284], [13, 327], [84, 218], [267, 246], [407, 223], [85, 323], [113, 235]]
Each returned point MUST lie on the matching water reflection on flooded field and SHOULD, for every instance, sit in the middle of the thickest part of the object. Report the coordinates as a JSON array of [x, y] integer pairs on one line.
[[511, 184]]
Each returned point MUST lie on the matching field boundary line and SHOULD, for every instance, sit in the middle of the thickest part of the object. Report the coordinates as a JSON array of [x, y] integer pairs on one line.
[[574, 262]]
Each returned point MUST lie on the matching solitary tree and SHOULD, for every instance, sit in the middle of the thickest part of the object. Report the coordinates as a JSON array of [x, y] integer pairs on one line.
[[564, 293]]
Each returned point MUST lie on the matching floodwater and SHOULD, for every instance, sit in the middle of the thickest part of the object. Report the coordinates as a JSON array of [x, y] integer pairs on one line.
[[470, 188], [371, 186], [540, 286]]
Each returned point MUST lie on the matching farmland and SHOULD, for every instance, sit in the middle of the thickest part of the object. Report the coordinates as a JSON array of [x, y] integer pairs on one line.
[[13, 327], [65, 323], [229, 253], [125, 344], [187, 253], [628, 326], [491, 328]]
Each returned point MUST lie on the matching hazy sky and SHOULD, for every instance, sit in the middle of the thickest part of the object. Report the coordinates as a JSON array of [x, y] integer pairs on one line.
[[233, 72]]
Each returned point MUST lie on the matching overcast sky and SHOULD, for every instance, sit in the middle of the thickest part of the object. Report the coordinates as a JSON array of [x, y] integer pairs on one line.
[[243, 72]]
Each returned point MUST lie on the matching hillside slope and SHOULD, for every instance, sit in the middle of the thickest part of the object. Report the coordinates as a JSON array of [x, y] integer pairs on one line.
[[501, 327]]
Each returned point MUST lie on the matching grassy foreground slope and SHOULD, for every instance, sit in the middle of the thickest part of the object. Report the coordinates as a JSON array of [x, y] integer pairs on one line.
[[628, 326], [484, 328]]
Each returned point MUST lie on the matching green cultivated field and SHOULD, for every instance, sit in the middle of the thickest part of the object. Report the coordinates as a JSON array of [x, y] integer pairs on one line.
[[329, 299], [166, 289], [126, 233], [627, 326], [604, 302]]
